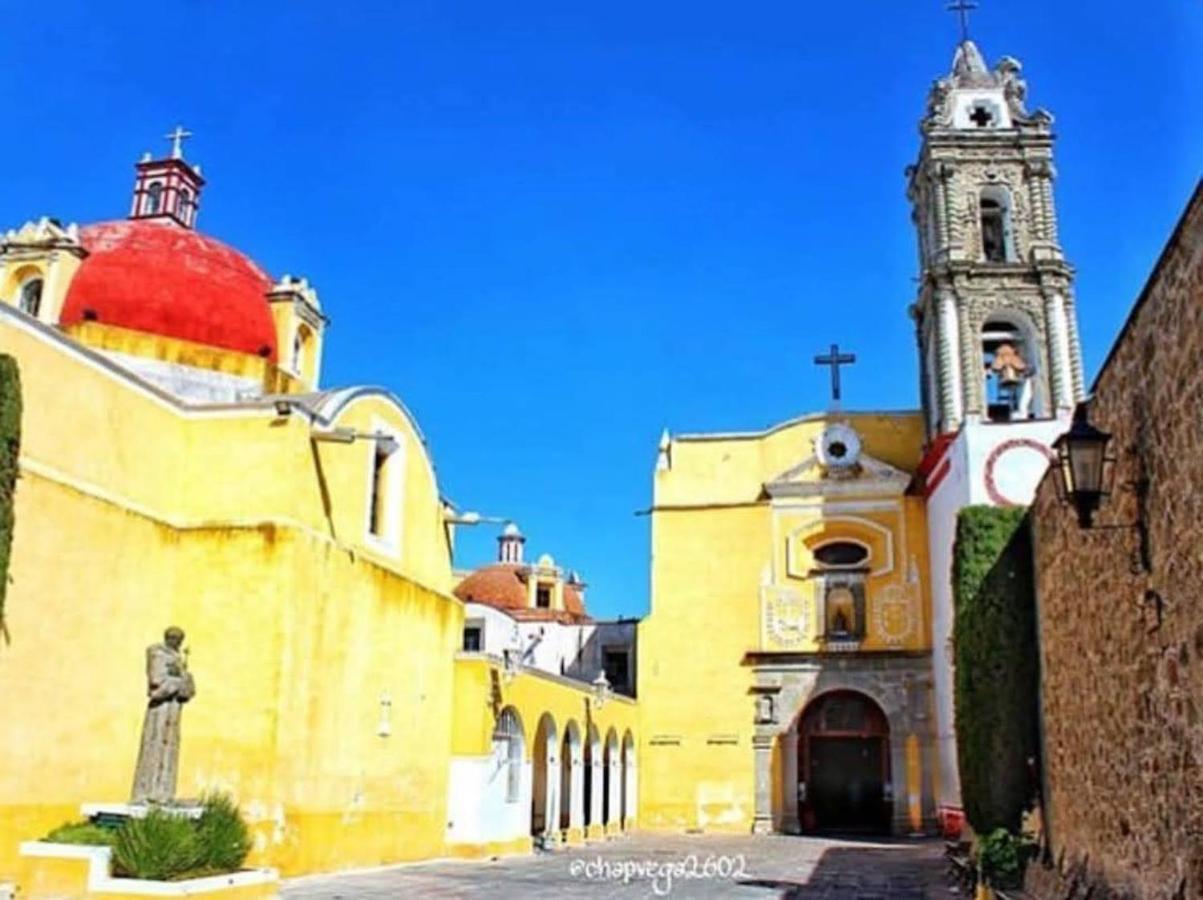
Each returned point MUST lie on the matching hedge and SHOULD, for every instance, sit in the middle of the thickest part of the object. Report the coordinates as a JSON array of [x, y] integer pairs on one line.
[[10, 451], [997, 672]]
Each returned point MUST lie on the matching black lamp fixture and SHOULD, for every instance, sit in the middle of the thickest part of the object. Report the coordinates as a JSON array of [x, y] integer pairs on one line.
[[1084, 470]]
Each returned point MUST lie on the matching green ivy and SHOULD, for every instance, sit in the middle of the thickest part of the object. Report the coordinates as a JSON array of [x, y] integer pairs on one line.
[[994, 633], [10, 451]]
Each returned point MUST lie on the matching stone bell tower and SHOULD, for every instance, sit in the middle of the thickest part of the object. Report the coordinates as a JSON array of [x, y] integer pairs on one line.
[[999, 362], [995, 319]]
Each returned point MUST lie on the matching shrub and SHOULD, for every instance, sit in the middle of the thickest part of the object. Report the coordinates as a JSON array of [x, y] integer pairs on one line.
[[222, 834], [82, 833], [10, 451], [1003, 857], [996, 686], [160, 846]]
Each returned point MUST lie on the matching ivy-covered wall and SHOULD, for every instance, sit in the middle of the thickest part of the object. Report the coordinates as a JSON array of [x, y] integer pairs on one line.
[[10, 450], [996, 689]]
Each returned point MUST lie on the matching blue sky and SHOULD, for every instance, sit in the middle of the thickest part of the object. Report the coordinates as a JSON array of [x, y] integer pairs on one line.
[[556, 230]]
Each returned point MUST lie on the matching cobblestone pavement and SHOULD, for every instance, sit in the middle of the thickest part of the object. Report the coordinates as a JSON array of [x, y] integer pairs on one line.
[[661, 865]]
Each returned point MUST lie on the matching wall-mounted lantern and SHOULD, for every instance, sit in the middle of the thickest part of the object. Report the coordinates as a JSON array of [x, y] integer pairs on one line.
[[1084, 470], [601, 690], [1084, 475]]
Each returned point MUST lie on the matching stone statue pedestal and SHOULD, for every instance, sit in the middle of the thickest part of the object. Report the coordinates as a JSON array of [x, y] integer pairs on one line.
[[111, 815]]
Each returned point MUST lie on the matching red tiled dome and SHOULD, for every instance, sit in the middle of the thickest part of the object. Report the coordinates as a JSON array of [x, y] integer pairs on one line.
[[500, 585], [171, 281], [503, 586]]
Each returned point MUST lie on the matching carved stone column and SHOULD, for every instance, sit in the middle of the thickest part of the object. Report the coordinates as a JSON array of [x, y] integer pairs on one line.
[[1035, 171], [1050, 211], [971, 374], [1075, 350], [791, 823], [948, 350], [954, 233], [1058, 351], [762, 750]]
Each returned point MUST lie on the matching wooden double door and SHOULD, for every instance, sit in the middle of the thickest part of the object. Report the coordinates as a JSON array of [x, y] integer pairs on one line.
[[844, 766]]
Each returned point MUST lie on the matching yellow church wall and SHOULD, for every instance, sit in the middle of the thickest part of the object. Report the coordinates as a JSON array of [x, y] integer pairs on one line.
[[481, 685], [114, 438], [719, 547], [306, 642], [293, 645], [695, 766]]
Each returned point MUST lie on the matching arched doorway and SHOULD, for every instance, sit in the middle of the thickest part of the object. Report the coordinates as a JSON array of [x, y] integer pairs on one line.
[[571, 780], [545, 781], [844, 765]]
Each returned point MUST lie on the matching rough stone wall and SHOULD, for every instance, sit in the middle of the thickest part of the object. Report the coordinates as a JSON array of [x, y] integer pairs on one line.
[[1122, 680]]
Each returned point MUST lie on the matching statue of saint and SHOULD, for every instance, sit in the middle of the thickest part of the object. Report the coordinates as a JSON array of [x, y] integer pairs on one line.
[[169, 686]]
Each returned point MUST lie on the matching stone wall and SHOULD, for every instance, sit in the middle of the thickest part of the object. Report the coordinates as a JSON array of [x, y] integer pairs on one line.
[[1121, 649]]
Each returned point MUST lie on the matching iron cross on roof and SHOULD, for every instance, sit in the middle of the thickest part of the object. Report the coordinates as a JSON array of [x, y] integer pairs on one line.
[[177, 138], [835, 359], [963, 7]]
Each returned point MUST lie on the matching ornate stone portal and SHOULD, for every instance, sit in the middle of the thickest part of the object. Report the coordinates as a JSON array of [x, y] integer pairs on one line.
[[169, 686]]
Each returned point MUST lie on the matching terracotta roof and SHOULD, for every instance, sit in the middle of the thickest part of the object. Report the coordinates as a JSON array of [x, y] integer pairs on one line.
[[162, 279], [503, 586]]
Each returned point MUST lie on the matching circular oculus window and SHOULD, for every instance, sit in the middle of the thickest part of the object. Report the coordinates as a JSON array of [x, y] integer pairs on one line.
[[838, 446]]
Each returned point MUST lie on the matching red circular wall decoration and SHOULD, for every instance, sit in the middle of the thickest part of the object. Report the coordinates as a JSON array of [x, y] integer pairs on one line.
[[997, 496]]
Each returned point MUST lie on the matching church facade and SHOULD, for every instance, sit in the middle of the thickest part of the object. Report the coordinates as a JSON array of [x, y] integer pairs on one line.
[[819, 552], [183, 463]]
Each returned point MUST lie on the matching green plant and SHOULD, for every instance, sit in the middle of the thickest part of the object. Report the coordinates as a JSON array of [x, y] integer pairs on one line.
[[222, 834], [160, 846], [1003, 856], [996, 684], [10, 452], [82, 833]]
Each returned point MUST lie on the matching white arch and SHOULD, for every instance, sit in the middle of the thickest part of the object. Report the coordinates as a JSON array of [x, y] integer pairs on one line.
[[612, 778], [545, 781], [572, 780], [594, 778], [629, 781]]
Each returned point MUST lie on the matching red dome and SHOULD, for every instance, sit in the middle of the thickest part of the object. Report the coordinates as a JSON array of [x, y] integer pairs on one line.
[[167, 280], [503, 586]]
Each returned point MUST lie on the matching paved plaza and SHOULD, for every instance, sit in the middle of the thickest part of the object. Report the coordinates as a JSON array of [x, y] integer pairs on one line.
[[679, 866]]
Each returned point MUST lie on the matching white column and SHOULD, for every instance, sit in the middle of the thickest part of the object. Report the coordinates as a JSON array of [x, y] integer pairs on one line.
[[576, 792], [1061, 376], [599, 785], [952, 408]]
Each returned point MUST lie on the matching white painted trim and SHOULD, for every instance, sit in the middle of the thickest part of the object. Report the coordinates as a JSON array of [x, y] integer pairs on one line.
[[789, 423], [100, 881], [389, 541], [329, 406], [838, 506], [885, 569]]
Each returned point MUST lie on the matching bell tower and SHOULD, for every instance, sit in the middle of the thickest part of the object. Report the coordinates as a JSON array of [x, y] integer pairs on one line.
[[168, 189], [995, 318]]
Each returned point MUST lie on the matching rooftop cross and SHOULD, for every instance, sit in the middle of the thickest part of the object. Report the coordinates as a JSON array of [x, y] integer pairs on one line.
[[177, 141], [963, 7], [835, 359]]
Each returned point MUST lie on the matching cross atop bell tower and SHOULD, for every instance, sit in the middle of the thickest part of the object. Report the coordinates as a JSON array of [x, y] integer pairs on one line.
[[168, 188]]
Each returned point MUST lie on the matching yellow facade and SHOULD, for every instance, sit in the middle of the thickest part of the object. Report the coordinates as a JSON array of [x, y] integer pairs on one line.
[[323, 657], [735, 521]]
